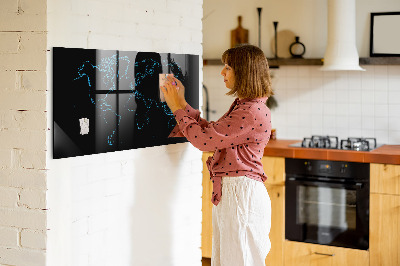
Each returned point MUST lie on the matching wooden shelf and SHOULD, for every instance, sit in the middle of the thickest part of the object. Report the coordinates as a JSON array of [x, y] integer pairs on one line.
[[273, 63], [295, 62], [380, 61]]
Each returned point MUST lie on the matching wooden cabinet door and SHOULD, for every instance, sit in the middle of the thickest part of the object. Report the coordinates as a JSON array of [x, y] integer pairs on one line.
[[206, 232], [274, 168], [277, 233], [385, 178], [384, 236], [305, 254]]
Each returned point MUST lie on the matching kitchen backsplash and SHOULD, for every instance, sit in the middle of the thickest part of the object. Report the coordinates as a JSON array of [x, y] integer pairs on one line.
[[314, 102]]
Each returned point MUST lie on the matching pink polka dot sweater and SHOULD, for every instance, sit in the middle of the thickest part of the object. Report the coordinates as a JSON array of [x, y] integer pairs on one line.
[[238, 139]]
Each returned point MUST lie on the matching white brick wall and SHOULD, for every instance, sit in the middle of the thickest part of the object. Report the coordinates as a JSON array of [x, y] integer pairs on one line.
[[136, 207], [100, 206], [23, 132]]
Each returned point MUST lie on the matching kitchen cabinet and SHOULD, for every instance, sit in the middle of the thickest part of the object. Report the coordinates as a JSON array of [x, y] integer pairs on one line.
[[385, 178], [206, 225], [305, 254], [274, 168], [385, 214]]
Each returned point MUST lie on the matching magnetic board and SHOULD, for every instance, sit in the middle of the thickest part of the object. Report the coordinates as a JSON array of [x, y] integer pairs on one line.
[[109, 100]]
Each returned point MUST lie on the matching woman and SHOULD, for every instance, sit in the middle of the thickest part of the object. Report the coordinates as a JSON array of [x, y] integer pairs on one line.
[[242, 208]]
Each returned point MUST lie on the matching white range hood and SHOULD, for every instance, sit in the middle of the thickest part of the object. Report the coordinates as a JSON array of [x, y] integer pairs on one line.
[[341, 51]]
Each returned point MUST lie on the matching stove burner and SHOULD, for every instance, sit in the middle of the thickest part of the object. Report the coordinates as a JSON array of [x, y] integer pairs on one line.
[[328, 142], [358, 144], [332, 142]]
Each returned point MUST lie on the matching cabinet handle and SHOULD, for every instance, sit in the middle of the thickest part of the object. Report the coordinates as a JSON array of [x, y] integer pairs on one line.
[[325, 254]]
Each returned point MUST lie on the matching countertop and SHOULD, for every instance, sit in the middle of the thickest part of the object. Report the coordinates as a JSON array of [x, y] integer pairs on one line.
[[389, 154]]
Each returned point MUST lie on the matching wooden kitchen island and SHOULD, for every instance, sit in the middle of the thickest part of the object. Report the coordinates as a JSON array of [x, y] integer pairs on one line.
[[384, 247]]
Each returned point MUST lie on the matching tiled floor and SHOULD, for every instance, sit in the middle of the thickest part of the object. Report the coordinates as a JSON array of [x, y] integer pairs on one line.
[[206, 261]]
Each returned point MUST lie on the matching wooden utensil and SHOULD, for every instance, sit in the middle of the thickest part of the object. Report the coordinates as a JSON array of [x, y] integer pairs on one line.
[[239, 35]]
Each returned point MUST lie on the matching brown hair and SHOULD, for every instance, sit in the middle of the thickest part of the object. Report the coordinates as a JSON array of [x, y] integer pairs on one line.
[[250, 66]]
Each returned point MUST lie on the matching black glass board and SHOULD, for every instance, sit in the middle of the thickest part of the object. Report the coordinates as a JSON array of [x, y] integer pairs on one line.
[[109, 100]]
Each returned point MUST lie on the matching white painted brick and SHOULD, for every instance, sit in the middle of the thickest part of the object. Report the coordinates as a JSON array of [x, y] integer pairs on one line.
[[98, 222], [168, 19], [114, 187], [7, 80], [22, 22], [9, 42], [5, 158], [97, 173], [103, 12], [153, 32], [8, 197], [17, 256], [80, 228], [33, 239], [109, 27], [179, 7], [196, 37], [128, 169], [23, 178], [197, 10], [180, 34], [8, 237], [97, 190], [106, 42], [190, 48], [132, 43], [113, 170], [136, 17], [24, 139], [32, 159], [16, 158], [22, 218], [31, 55], [190, 22], [32, 61], [33, 7], [34, 120], [149, 6], [33, 199], [23, 100], [31, 80], [163, 45], [8, 6], [33, 42], [197, 166]]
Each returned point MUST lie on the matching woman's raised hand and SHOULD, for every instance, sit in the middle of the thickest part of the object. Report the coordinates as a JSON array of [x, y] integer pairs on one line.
[[174, 93], [181, 90]]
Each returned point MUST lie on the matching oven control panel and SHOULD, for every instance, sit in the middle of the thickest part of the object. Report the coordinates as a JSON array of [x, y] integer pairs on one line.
[[338, 169]]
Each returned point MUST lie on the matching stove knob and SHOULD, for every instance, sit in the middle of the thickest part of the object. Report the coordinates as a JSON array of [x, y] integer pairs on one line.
[[343, 168], [308, 166]]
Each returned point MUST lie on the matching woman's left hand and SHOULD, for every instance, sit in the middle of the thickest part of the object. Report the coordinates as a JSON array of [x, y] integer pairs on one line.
[[171, 96]]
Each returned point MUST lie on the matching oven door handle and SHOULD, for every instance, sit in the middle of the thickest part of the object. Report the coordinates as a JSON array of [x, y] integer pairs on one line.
[[357, 185]]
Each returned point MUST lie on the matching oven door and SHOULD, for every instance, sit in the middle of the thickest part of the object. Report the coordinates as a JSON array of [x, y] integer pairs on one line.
[[327, 213]]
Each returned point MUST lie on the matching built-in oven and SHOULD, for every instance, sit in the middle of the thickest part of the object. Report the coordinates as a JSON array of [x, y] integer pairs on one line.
[[327, 202]]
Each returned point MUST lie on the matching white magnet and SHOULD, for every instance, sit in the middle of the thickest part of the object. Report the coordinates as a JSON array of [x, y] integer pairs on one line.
[[84, 124]]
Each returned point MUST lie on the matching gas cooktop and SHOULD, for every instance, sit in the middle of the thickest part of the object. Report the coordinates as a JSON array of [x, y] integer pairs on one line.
[[332, 142]]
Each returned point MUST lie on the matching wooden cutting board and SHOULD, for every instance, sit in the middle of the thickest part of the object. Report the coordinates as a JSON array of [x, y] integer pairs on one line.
[[239, 35]]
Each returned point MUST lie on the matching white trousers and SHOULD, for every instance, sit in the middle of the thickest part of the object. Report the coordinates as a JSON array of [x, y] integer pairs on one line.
[[241, 223]]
